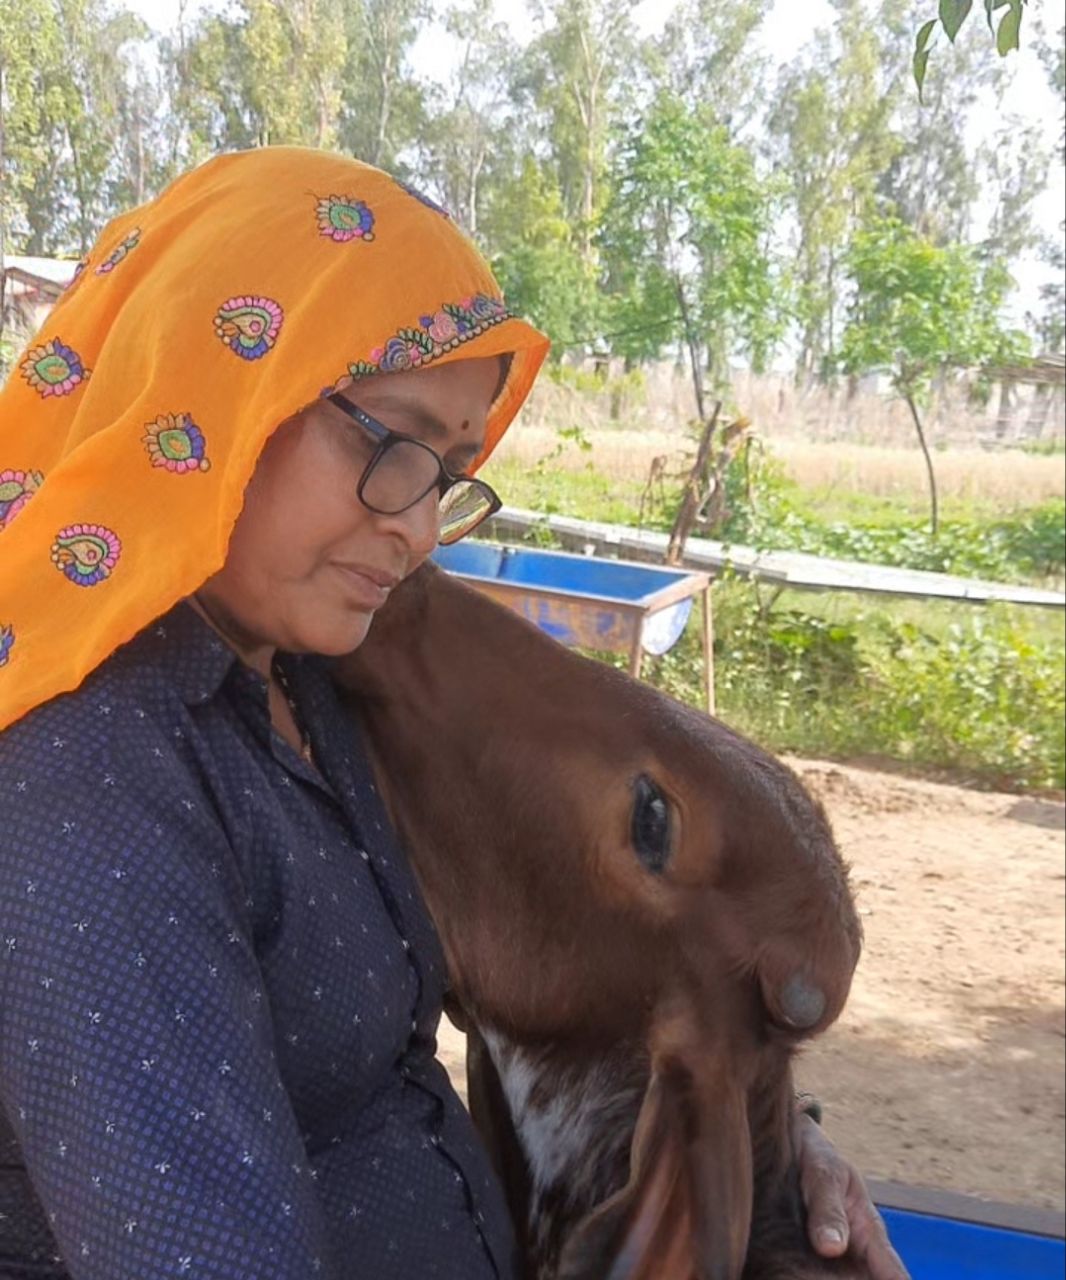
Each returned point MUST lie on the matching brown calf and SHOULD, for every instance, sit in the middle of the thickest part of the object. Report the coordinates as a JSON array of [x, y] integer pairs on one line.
[[643, 915]]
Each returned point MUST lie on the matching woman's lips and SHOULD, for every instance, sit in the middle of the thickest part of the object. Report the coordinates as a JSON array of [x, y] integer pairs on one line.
[[369, 586]]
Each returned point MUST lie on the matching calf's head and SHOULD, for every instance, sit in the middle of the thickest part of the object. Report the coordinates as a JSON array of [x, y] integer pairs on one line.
[[642, 912]]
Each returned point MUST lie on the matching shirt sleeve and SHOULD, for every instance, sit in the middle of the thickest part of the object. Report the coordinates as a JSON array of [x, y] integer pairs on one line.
[[137, 1061]]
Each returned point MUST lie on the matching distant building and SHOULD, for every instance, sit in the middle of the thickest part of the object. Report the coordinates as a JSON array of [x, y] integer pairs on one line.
[[1032, 399], [29, 288]]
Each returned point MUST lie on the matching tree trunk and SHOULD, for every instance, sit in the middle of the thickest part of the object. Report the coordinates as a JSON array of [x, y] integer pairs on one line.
[[934, 504], [692, 342], [693, 495]]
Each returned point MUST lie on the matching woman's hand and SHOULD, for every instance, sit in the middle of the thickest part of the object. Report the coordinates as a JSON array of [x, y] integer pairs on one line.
[[841, 1217]]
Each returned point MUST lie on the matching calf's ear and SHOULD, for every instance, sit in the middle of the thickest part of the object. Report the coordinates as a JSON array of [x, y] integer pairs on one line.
[[685, 1213]]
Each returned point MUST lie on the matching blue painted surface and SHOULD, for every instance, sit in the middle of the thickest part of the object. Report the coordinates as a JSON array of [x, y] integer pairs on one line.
[[556, 571], [937, 1248], [598, 588]]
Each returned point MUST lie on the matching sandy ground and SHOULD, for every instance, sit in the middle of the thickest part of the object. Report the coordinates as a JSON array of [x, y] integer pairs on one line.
[[946, 1069]]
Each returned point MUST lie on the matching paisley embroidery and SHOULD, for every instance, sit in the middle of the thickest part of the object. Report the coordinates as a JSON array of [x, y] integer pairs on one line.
[[86, 553], [16, 489], [341, 218], [7, 641], [119, 252], [443, 331], [53, 368], [421, 196], [249, 325], [175, 442]]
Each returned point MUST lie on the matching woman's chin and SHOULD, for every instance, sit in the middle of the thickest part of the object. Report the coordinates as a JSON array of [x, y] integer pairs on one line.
[[338, 634]]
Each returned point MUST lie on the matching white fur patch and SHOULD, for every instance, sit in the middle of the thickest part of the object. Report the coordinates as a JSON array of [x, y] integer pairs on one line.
[[555, 1135]]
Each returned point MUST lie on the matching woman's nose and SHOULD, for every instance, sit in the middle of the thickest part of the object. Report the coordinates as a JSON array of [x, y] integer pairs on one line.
[[419, 526]]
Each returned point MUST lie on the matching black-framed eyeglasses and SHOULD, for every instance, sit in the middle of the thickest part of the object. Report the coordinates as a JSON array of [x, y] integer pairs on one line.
[[403, 470]]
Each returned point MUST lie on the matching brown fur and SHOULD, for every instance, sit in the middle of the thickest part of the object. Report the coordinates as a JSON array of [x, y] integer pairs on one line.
[[508, 764]]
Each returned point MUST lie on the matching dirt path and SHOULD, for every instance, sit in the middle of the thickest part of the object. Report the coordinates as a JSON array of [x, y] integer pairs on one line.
[[947, 1067]]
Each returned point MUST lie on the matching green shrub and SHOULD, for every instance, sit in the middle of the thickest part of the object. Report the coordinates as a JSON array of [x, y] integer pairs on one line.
[[766, 512], [984, 700]]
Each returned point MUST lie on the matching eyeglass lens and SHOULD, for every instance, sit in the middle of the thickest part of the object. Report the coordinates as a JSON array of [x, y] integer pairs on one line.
[[407, 471]]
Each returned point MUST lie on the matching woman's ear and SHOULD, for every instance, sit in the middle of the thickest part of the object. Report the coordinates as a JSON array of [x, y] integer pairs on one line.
[[685, 1213]]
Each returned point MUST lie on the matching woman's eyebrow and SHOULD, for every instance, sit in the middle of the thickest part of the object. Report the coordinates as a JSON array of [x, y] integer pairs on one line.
[[425, 419]]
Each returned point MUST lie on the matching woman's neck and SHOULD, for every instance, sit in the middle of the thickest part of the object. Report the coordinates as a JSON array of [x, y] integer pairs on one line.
[[253, 653]]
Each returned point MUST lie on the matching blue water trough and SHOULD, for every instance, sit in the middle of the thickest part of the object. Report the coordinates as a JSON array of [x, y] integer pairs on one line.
[[612, 606]]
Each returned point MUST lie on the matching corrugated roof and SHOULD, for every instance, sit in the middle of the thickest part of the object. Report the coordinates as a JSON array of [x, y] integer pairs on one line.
[[57, 271]]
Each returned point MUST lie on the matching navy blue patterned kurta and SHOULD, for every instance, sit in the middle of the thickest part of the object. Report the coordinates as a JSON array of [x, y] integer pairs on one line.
[[219, 991]]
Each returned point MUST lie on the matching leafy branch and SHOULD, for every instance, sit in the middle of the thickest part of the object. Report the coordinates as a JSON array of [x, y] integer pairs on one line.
[[951, 16]]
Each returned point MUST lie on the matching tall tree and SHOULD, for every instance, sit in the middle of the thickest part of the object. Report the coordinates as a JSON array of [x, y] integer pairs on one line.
[[685, 239], [469, 130], [28, 41], [921, 309], [831, 125], [382, 109], [537, 256], [574, 72], [266, 71], [1050, 323], [707, 56], [1014, 166], [934, 180], [67, 145]]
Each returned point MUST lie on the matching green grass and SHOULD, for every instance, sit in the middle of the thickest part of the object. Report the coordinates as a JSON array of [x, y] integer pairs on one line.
[[829, 504], [586, 494]]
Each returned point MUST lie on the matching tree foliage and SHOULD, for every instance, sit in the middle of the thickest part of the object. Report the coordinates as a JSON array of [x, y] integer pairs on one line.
[[686, 232], [921, 309], [617, 181], [832, 126]]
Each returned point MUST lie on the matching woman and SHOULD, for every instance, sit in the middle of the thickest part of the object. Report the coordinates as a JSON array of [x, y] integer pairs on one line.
[[219, 989]]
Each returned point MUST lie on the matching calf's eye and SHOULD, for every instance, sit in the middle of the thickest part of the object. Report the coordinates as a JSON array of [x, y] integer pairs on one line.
[[650, 825]]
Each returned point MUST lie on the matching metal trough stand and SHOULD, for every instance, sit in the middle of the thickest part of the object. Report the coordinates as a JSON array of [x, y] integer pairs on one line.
[[613, 606]]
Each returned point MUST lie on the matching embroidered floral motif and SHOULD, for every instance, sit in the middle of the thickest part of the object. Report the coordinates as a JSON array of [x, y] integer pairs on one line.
[[249, 325], [341, 218], [53, 368], [175, 442], [454, 324], [16, 489], [7, 641], [79, 267], [421, 195], [358, 369], [119, 252], [86, 553]]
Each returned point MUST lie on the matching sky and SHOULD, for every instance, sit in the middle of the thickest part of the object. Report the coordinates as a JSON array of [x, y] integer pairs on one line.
[[790, 25]]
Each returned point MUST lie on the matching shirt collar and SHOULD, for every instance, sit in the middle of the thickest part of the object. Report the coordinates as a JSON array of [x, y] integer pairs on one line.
[[196, 658]]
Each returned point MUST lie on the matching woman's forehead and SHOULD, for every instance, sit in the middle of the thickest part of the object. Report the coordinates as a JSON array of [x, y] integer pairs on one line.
[[447, 402], [474, 379]]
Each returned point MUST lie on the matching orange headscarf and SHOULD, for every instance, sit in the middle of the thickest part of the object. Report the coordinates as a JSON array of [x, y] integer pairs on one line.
[[132, 423]]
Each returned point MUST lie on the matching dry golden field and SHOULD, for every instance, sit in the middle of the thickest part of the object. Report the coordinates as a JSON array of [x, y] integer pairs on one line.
[[862, 443], [1003, 478], [661, 398]]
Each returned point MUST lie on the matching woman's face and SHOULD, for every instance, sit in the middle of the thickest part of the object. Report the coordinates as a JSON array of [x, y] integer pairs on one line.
[[308, 564]]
